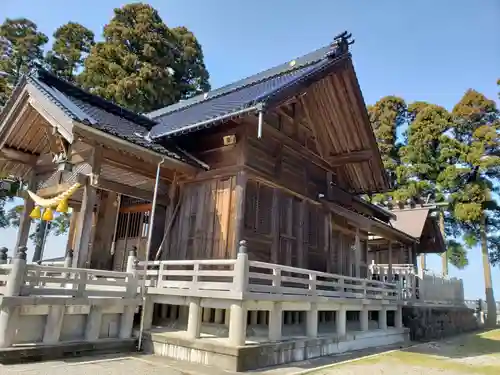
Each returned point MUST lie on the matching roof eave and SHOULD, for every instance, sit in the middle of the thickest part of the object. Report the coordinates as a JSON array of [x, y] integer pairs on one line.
[[170, 162]]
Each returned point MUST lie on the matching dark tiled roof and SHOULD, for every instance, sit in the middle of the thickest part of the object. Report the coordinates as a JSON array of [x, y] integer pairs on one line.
[[246, 95], [97, 112]]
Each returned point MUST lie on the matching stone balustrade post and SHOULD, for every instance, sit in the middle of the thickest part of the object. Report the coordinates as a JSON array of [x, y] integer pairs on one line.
[[9, 315], [17, 273], [68, 259], [131, 260], [127, 317], [241, 268], [3, 255], [68, 262]]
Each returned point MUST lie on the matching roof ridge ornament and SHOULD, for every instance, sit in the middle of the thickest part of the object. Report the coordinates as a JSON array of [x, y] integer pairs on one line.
[[340, 44]]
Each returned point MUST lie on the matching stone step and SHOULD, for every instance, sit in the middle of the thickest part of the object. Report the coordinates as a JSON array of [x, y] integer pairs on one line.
[[42, 352]]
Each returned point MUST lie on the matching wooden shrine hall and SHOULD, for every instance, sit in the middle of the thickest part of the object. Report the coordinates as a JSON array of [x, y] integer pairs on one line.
[[265, 173], [282, 171]]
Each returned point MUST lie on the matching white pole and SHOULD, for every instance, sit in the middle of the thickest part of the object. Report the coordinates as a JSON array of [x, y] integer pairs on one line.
[[148, 250]]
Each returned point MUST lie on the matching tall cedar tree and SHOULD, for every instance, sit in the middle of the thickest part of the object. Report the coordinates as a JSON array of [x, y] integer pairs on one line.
[[473, 181], [387, 116], [21, 44], [72, 43], [426, 157], [142, 64], [412, 167]]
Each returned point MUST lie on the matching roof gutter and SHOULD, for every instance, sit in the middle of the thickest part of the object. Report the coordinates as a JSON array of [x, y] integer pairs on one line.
[[182, 166]]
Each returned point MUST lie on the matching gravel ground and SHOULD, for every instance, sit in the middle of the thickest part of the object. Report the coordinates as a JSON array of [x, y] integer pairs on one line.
[[475, 354], [92, 366]]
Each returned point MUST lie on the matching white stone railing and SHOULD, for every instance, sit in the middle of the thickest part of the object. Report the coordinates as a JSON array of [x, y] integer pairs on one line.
[[424, 286], [244, 279], [36, 300]]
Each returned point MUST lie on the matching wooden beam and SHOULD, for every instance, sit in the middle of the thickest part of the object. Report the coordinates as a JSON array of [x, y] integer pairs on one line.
[[140, 167], [17, 156], [150, 157], [350, 158], [315, 129], [129, 191], [296, 147]]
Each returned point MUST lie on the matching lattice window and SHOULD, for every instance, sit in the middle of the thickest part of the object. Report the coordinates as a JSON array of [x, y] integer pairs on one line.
[[258, 207]]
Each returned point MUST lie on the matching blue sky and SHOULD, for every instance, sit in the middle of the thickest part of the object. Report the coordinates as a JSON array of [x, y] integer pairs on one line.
[[426, 50]]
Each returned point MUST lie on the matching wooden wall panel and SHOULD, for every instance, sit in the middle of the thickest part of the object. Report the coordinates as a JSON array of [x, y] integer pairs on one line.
[[204, 227]]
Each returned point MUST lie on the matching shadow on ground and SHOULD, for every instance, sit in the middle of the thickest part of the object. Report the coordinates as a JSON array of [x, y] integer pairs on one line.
[[477, 344]]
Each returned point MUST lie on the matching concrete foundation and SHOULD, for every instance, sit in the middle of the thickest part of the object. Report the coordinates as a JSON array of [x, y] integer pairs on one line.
[[253, 355]]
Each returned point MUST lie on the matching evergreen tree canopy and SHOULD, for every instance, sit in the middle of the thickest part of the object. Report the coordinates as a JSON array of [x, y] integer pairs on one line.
[[142, 64], [21, 44], [387, 116], [72, 43]]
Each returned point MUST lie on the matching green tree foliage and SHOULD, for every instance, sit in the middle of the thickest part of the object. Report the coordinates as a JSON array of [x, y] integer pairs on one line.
[[476, 177], [21, 44], [72, 43], [387, 116], [417, 161], [142, 64]]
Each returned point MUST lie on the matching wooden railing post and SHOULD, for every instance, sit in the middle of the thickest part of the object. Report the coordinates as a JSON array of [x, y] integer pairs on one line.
[[241, 268], [9, 315], [3, 255]]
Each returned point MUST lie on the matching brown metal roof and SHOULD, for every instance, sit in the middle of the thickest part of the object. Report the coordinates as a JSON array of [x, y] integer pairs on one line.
[[411, 221]]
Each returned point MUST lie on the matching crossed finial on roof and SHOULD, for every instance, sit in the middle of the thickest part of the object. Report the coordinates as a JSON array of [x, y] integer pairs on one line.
[[342, 42]]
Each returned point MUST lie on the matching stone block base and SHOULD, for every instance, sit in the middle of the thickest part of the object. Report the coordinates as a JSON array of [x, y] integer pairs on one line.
[[214, 352], [433, 323], [41, 352]]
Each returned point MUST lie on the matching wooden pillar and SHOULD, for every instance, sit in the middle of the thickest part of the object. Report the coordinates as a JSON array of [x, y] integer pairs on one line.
[[83, 236], [25, 219], [275, 233], [72, 229], [357, 256], [423, 265], [105, 224], [389, 271], [240, 191]]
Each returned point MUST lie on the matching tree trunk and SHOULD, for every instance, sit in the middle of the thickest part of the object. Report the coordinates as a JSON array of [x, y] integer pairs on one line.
[[444, 256], [491, 308]]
